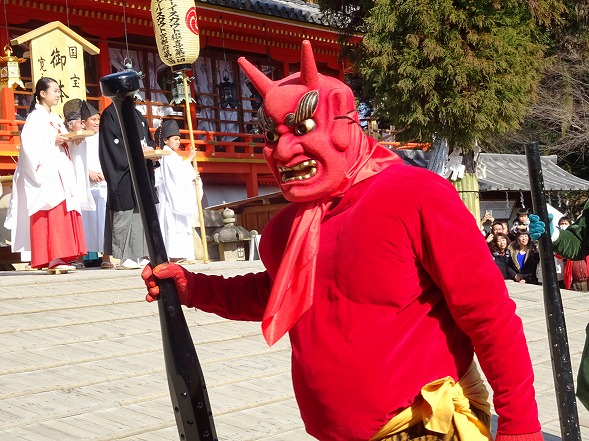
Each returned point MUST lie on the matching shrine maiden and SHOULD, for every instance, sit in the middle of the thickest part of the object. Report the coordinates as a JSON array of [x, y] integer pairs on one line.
[[45, 214]]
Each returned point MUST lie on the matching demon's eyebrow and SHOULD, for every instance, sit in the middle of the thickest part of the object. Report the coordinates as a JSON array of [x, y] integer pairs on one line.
[[265, 123], [305, 108]]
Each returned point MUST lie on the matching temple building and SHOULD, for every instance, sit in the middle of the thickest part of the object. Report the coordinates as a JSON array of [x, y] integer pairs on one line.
[[268, 32]]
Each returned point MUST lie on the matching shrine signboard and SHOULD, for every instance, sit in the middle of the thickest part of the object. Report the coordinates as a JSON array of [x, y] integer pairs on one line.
[[58, 52]]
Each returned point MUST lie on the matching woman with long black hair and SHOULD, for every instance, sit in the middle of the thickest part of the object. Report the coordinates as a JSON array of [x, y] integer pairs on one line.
[[524, 258], [501, 255], [45, 194]]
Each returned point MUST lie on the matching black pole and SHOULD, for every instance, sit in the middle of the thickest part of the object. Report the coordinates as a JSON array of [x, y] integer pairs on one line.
[[557, 334], [194, 417]]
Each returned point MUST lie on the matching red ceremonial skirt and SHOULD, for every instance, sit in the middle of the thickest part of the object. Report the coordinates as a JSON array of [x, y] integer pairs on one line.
[[56, 234]]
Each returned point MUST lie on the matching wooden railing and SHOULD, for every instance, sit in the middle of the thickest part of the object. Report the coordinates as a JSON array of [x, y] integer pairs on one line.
[[211, 146], [243, 146], [404, 146], [9, 144]]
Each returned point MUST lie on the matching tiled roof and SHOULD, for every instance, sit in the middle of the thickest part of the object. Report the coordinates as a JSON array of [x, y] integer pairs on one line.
[[297, 10], [506, 172], [510, 172]]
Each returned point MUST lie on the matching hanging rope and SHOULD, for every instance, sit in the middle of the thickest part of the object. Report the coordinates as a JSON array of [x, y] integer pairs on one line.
[[221, 77], [6, 21], [67, 13], [507, 202], [223, 39], [521, 198], [127, 58]]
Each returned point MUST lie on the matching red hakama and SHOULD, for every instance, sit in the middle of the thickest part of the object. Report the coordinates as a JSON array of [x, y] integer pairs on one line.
[[56, 234]]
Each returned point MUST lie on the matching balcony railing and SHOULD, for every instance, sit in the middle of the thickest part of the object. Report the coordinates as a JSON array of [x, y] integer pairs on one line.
[[243, 146], [211, 146]]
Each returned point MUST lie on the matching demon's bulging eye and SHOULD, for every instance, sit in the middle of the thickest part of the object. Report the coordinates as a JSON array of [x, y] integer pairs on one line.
[[304, 127], [272, 136]]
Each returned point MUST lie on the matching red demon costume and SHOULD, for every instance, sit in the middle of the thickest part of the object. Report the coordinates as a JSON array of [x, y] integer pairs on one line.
[[363, 274]]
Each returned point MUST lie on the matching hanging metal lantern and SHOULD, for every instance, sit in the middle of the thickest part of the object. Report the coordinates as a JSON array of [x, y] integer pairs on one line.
[[178, 89], [176, 32], [227, 92], [9, 70]]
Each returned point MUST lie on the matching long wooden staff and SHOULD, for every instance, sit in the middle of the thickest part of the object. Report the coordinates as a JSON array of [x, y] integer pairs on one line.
[[201, 220], [557, 333], [190, 400]]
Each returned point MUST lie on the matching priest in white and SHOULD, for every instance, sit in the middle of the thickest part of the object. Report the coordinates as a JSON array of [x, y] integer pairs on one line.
[[175, 183], [94, 219]]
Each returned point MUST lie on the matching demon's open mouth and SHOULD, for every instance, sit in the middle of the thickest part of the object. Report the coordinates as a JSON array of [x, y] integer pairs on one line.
[[299, 172]]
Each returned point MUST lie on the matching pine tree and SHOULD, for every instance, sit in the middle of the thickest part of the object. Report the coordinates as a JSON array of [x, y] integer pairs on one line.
[[460, 71]]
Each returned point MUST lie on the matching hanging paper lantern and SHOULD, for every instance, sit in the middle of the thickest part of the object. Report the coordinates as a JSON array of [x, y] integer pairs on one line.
[[9, 70], [176, 31]]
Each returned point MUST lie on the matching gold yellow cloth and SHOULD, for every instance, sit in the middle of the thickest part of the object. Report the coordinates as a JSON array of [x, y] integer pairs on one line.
[[442, 402]]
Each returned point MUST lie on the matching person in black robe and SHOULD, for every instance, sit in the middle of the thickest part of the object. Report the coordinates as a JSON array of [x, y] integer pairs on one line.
[[124, 237]]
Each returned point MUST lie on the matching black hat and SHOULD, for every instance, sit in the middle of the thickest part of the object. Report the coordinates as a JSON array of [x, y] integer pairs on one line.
[[71, 109], [87, 110], [168, 128], [72, 116]]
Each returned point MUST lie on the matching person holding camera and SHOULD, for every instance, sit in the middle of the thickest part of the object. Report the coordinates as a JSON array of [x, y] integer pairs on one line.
[[487, 218]]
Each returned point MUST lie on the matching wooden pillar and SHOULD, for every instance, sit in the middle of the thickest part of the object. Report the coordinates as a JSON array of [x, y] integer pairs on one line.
[[7, 109], [104, 66], [103, 103], [210, 143], [9, 144], [251, 183]]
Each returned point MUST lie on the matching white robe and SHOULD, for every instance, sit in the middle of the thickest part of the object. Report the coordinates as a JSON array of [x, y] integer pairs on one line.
[[94, 219], [44, 177], [79, 155], [174, 180]]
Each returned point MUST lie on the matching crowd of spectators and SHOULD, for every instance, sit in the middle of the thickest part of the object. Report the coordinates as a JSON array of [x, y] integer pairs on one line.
[[515, 254], [517, 257]]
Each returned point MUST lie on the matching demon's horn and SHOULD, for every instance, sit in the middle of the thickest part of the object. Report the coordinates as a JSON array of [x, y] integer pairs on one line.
[[309, 74], [260, 81]]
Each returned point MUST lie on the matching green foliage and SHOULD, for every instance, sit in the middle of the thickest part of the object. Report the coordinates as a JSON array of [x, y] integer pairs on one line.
[[464, 70], [572, 37], [559, 117]]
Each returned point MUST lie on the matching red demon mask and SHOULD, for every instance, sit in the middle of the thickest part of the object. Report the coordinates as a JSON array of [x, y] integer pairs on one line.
[[311, 128]]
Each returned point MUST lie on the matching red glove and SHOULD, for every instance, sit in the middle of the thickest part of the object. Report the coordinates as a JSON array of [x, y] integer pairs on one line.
[[183, 279]]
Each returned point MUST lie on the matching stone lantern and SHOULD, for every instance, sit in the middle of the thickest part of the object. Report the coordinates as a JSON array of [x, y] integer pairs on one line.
[[231, 238]]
